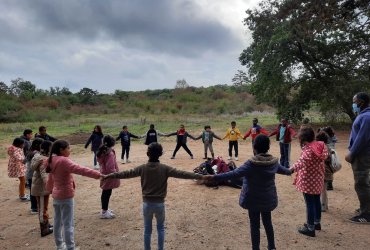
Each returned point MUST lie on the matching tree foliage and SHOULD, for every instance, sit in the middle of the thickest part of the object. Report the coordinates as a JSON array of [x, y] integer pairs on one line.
[[181, 84], [240, 78], [307, 52]]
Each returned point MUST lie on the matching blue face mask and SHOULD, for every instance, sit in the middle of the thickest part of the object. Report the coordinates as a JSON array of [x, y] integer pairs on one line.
[[356, 109]]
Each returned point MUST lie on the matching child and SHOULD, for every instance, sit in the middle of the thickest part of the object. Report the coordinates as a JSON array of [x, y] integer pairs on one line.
[[258, 193], [329, 172], [151, 135], [35, 148], [154, 177], [43, 135], [125, 138], [38, 189], [232, 134], [95, 139], [62, 186], [331, 143], [16, 167], [108, 164], [254, 131], [207, 139], [181, 138], [310, 178], [284, 135], [27, 136]]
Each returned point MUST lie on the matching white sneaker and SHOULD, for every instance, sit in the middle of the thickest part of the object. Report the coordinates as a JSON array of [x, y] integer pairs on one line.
[[236, 158], [229, 158], [107, 215], [123, 161], [96, 167], [128, 161]]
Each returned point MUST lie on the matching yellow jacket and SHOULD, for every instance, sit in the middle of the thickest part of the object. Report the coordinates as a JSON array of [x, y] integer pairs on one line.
[[233, 134]]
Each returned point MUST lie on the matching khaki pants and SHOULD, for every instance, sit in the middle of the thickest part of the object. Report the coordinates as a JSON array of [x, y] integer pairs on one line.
[[324, 197]]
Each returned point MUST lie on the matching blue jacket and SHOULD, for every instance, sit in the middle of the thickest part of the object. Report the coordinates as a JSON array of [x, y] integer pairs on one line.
[[259, 191], [359, 140], [96, 140]]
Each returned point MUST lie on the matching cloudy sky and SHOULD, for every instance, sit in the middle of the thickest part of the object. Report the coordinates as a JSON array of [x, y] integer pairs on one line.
[[122, 44]]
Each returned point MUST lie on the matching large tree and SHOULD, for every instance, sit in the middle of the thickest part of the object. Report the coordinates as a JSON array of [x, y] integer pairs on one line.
[[308, 52]]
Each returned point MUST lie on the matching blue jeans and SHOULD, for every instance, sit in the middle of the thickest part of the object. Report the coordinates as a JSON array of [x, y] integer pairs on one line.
[[151, 209], [254, 218], [313, 209], [63, 219], [95, 160], [284, 154]]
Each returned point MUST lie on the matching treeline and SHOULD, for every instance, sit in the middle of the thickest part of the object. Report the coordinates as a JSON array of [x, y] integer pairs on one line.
[[22, 101]]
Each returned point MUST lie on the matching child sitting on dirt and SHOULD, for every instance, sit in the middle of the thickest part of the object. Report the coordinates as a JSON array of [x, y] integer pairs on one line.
[[207, 139], [62, 186], [258, 193], [16, 167], [233, 134], [125, 138], [154, 177], [108, 164]]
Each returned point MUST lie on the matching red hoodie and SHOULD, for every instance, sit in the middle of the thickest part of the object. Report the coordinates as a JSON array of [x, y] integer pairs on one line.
[[310, 168]]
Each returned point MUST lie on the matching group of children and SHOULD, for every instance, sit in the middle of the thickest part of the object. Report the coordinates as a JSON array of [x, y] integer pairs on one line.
[[53, 174]]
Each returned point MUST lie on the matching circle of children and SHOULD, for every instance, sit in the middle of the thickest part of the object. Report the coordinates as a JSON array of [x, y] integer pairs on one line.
[[45, 165]]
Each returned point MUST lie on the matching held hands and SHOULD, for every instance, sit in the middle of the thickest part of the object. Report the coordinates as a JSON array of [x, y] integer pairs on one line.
[[103, 177]]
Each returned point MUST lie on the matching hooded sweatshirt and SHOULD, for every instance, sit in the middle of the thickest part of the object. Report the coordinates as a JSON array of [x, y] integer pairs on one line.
[[16, 167], [259, 190], [310, 168], [359, 142]]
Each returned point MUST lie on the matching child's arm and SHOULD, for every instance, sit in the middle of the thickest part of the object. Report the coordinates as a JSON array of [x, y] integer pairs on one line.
[[264, 131], [171, 134], [248, 133], [134, 136], [243, 170], [227, 134], [274, 132], [88, 141], [192, 137], [118, 137], [217, 137], [197, 138], [238, 133], [284, 171], [160, 134], [173, 172], [135, 172], [81, 170]]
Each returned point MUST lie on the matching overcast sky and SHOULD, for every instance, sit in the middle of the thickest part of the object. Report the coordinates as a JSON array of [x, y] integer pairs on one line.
[[122, 44]]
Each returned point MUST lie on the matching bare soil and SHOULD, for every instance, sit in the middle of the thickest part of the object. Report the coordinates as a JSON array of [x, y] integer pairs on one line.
[[197, 217]]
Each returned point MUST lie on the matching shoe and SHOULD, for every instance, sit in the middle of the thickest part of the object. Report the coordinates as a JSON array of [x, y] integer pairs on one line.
[[62, 247], [358, 211], [191, 157], [25, 198], [45, 229], [123, 161], [317, 226], [329, 187], [33, 211], [173, 157], [360, 219], [304, 230], [229, 158], [128, 161], [96, 167], [236, 158], [107, 215]]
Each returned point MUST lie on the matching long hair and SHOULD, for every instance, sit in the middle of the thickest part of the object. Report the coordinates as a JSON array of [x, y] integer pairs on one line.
[[108, 142], [99, 129], [35, 146], [57, 146], [18, 142], [45, 147]]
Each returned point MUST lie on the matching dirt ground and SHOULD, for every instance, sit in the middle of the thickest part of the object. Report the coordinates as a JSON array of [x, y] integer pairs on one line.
[[197, 217]]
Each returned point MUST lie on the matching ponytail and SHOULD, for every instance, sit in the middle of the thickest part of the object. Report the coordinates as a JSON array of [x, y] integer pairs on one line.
[[57, 146], [108, 142]]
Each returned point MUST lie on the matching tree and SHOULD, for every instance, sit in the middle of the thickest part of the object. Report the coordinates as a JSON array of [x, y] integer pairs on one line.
[[308, 52], [181, 84], [87, 96], [239, 79], [24, 89], [4, 89]]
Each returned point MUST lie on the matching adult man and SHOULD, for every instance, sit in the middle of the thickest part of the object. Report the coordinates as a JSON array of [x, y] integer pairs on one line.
[[284, 134], [359, 155]]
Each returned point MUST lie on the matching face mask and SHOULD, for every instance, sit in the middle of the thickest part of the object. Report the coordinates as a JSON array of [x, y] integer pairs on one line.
[[356, 109]]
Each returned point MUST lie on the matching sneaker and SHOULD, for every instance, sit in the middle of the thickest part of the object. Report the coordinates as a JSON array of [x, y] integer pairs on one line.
[[317, 226], [25, 198], [123, 161], [329, 187], [361, 219], [107, 215], [358, 211], [128, 161], [34, 211], [229, 158], [173, 157], [96, 167], [304, 230], [236, 158], [191, 157]]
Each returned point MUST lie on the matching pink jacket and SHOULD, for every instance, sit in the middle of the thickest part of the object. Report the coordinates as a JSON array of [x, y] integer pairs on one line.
[[108, 164], [60, 181], [16, 167], [310, 168]]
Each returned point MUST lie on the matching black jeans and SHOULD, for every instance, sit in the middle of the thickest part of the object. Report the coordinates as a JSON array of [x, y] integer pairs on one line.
[[284, 154], [361, 174], [235, 145], [125, 150], [32, 198], [179, 145], [313, 209], [105, 196], [254, 218]]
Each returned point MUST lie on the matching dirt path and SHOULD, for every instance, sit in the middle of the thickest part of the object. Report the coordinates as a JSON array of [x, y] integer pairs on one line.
[[197, 217]]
